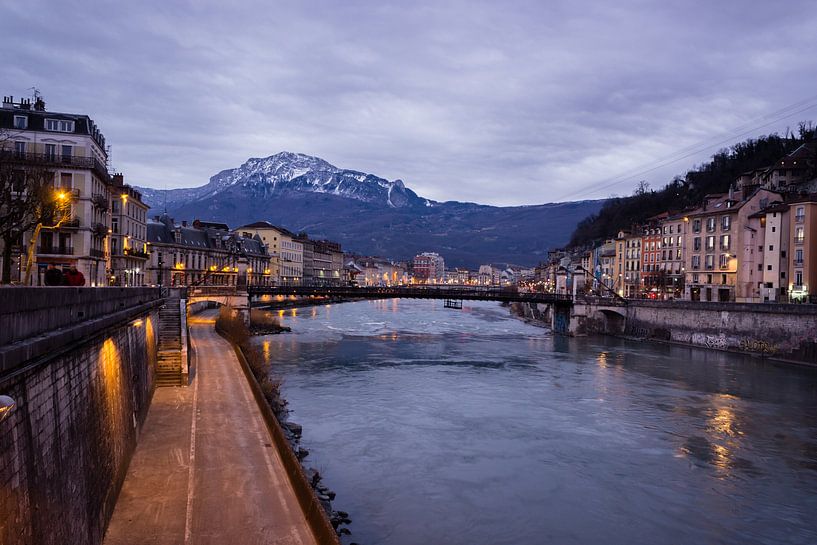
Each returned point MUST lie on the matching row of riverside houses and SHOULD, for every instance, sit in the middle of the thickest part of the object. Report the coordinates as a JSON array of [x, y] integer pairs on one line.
[[104, 230], [209, 253], [755, 243]]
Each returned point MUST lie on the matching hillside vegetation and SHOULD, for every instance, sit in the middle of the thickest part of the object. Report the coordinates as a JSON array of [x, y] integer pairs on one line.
[[683, 192]]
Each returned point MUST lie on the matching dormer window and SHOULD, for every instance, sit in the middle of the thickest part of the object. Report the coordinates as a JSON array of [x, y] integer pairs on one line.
[[59, 125], [20, 122]]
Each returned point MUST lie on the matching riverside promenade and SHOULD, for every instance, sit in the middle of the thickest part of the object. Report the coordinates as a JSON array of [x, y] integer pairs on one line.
[[205, 470]]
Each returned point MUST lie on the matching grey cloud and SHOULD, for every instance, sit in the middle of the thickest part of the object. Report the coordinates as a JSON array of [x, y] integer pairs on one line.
[[516, 103]]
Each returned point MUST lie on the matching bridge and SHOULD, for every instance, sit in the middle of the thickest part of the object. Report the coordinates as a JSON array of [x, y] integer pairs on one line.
[[460, 293]]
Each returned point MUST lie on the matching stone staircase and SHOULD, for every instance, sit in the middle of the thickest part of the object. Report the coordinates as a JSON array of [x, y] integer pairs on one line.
[[170, 365]]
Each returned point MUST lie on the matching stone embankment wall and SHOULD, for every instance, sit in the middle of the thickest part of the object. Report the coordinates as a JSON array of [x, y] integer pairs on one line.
[[783, 332], [787, 332], [82, 395]]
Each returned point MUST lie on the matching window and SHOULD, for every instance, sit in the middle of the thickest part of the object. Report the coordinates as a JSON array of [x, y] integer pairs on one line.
[[800, 214], [66, 180], [771, 247], [695, 277], [798, 278], [798, 256], [710, 224], [760, 266], [774, 228], [696, 244], [726, 223], [50, 151], [20, 149], [696, 226], [725, 241], [59, 125], [768, 267], [678, 254], [115, 225], [724, 261], [799, 235], [66, 153], [710, 243], [20, 122], [710, 262]]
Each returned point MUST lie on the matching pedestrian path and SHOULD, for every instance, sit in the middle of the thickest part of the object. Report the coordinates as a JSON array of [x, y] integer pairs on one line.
[[205, 471]]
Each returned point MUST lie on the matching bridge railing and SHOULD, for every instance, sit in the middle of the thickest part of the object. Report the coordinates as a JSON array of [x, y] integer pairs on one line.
[[427, 292]]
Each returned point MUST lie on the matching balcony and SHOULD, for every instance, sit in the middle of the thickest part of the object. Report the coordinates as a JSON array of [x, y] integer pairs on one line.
[[96, 253], [100, 229], [100, 201], [55, 250], [799, 239], [53, 160], [130, 252]]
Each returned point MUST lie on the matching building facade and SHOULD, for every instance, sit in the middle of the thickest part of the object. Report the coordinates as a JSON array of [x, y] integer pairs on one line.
[[72, 149]]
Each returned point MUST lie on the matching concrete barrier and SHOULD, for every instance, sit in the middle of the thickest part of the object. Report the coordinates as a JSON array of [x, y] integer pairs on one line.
[[26, 312]]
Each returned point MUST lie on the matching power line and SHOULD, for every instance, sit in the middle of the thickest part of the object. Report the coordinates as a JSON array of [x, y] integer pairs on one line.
[[699, 147]]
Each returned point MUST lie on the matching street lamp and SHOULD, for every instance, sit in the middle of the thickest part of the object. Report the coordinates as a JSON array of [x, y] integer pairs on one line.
[[7, 406]]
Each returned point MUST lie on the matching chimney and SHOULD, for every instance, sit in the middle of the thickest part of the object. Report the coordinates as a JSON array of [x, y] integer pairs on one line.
[[8, 102], [731, 192], [39, 104], [25, 104], [184, 223], [118, 179]]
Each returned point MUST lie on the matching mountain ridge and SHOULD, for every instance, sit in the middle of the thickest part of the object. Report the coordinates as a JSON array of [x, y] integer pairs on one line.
[[370, 214]]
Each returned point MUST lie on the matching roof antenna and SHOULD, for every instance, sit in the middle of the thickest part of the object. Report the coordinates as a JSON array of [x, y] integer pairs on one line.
[[36, 92]]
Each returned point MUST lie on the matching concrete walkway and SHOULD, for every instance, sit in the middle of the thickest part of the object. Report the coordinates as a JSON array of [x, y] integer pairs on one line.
[[205, 470]]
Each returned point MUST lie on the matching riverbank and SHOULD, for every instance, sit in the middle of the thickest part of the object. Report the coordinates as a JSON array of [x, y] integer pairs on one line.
[[781, 333]]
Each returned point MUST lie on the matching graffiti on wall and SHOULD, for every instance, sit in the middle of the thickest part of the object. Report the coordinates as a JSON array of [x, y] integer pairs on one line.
[[758, 345], [717, 342]]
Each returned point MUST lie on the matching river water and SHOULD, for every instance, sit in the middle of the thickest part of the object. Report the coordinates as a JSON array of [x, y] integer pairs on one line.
[[440, 426]]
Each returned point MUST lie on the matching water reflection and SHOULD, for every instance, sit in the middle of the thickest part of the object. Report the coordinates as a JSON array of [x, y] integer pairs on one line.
[[489, 430]]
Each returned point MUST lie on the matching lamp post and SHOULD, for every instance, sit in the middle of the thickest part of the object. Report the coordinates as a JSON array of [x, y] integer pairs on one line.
[[7, 406]]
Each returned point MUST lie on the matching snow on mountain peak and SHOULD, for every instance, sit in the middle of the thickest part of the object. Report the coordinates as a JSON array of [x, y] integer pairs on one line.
[[288, 172]]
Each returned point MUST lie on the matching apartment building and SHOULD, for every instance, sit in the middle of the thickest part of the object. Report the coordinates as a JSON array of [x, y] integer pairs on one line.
[[128, 235], [803, 249], [72, 149], [773, 244], [724, 248], [328, 263], [204, 253], [671, 258], [429, 267], [652, 277], [628, 263]]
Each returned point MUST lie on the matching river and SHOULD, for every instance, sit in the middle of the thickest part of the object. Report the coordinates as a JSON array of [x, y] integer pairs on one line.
[[441, 426]]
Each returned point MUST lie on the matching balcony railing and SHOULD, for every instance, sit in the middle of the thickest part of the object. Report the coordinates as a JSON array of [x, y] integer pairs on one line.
[[96, 253], [799, 240], [55, 250], [130, 252], [100, 201], [44, 159]]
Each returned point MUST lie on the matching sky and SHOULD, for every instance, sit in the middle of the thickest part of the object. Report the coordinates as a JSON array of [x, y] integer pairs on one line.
[[501, 103]]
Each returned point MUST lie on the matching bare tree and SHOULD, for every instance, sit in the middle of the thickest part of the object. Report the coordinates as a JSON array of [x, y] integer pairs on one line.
[[28, 202]]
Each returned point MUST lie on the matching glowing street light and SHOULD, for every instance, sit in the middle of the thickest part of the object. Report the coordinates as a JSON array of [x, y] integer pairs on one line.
[[7, 406]]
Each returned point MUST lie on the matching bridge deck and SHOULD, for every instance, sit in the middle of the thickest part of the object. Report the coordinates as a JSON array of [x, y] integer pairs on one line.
[[415, 292]]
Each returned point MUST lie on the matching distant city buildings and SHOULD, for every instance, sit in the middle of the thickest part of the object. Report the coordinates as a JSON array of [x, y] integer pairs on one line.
[[429, 267]]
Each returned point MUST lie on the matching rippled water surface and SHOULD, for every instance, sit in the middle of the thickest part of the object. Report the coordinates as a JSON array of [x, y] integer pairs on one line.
[[470, 427]]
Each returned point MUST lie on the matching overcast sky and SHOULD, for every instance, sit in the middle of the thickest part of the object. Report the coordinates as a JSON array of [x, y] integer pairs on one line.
[[494, 102]]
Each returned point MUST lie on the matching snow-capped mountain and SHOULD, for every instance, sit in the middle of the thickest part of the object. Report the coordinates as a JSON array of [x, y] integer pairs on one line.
[[294, 172], [372, 215]]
